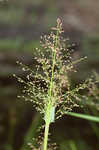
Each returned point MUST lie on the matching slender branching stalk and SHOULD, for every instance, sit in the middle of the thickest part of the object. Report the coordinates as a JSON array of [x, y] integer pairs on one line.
[[50, 93], [47, 85]]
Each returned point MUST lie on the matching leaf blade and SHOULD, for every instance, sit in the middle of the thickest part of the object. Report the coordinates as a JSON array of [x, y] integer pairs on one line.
[[83, 116]]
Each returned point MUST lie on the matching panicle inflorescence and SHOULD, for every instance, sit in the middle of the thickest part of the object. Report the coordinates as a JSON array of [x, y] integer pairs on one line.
[[49, 79], [47, 85]]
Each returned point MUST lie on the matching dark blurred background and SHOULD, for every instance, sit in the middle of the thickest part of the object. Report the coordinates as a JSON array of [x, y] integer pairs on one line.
[[21, 25]]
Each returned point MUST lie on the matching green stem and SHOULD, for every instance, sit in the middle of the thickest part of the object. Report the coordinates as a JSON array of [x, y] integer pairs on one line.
[[47, 124], [46, 135], [49, 105]]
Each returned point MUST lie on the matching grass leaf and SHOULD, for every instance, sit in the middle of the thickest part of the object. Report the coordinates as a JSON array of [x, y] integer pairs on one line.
[[84, 116]]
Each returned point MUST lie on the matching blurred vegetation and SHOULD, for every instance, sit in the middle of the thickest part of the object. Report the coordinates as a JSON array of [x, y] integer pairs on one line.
[[91, 48], [21, 25]]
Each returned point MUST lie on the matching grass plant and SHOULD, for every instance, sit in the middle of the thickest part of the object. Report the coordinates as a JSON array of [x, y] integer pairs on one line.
[[48, 85]]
